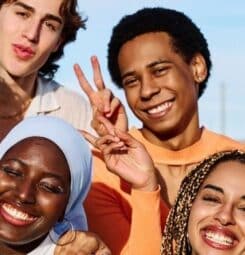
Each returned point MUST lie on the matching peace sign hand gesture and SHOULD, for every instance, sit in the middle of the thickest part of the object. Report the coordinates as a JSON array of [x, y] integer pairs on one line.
[[102, 101], [125, 157]]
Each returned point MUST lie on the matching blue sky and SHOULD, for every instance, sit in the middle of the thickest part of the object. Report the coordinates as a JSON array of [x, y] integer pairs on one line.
[[223, 24]]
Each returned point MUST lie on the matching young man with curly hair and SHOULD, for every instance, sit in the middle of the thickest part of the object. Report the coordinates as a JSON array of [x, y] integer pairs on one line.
[[161, 60], [33, 36]]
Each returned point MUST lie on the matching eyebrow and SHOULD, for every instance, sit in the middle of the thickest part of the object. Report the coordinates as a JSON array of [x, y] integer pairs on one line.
[[31, 9], [25, 6], [56, 176], [16, 160], [148, 66], [213, 187], [158, 62]]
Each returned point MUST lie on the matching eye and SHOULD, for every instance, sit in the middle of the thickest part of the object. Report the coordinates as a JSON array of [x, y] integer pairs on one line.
[[242, 208], [158, 71], [11, 172], [50, 26], [48, 187], [212, 199], [129, 82], [22, 14]]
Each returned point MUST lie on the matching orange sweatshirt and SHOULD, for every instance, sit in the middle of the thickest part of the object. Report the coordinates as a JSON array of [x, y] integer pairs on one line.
[[130, 221]]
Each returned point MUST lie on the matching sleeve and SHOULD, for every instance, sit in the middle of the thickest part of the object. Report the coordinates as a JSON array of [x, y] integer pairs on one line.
[[126, 229], [127, 220], [145, 233], [108, 216]]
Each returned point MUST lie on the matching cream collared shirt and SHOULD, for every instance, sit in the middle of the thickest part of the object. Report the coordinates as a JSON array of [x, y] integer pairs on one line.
[[53, 99]]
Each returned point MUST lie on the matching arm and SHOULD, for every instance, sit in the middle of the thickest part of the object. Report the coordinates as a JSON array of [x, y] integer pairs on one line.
[[140, 229], [129, 224], [127, 219]]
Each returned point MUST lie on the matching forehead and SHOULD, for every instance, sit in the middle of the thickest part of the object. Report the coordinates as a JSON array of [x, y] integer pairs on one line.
[[145, 49], [52, 7], [40, 153], [229, 175], [40, 143], [158, 39]]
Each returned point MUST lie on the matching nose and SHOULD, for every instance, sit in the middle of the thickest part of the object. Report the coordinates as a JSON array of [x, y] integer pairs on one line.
[[32, 30], [225, 215], [26, 192], [149, 87]]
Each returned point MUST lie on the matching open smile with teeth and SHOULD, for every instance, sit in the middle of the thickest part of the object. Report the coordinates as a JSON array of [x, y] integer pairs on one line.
[[17, 214], [160, 108], [219, 238]]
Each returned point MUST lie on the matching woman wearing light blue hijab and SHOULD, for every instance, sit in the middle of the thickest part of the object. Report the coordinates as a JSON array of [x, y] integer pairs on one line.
[[73, 153]]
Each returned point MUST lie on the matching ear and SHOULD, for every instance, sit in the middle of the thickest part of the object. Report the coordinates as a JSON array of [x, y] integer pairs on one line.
[[199, 68]]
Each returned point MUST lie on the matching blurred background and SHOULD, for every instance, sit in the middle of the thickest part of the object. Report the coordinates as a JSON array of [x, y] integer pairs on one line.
[[222, 107]]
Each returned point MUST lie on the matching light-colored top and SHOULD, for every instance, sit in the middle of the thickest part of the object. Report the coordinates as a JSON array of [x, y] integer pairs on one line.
[[53, 99], [129, 221], [47, 247]]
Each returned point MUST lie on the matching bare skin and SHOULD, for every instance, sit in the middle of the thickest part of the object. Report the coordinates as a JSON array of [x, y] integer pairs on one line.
[[89, 243], [126, 157]]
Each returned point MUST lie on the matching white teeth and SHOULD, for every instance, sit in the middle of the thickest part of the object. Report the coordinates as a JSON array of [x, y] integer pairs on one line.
[[219, 238], [160, 108], [16, 213]]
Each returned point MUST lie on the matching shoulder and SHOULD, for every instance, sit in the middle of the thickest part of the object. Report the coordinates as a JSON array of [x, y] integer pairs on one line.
[[65, 93], [223, 141]]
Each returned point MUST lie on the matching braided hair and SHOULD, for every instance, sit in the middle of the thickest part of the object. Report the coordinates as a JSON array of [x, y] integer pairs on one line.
[[175, 239]]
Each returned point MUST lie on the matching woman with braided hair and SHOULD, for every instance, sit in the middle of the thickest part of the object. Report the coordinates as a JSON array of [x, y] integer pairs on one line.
[[208, 216]]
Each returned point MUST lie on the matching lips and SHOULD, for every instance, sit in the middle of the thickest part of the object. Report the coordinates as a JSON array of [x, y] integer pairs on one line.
[[15, 216], [219, 237], [23, 52]]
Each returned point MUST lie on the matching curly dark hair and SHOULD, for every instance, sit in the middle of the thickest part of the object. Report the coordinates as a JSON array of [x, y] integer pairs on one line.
[[187, 39], [72, 22], [177, 222]]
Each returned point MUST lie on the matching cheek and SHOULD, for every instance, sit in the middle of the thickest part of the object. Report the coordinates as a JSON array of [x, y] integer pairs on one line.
[[6, 183], [198, 213], [49, 204], [9, 23], [240, 219], [50, 41], [132, 96]]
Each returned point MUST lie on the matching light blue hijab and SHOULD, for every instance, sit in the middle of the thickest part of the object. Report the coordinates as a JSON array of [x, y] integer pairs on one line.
[[78, 156]]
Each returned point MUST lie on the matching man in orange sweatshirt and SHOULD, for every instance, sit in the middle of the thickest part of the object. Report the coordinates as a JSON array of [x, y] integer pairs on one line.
[[162, 61]]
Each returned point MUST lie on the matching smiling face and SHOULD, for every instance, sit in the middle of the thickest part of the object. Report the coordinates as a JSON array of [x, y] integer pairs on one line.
[[161, 88], [34, 183], [30, 31], [217, 219]]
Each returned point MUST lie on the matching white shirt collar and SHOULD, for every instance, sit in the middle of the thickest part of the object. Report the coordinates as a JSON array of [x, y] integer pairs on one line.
[[44, 100]]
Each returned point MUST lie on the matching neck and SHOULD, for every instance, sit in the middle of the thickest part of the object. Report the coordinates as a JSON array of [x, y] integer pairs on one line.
[[15, 94], [24, 86], [23, 249], [177, 139], [9, 251]]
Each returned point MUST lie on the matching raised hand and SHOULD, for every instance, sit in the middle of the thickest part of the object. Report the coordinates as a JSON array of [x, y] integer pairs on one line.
[[125, 157], [86, 243], [103, 102]]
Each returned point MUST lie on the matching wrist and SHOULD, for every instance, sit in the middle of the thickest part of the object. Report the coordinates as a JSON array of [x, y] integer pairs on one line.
[[150, 185]]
